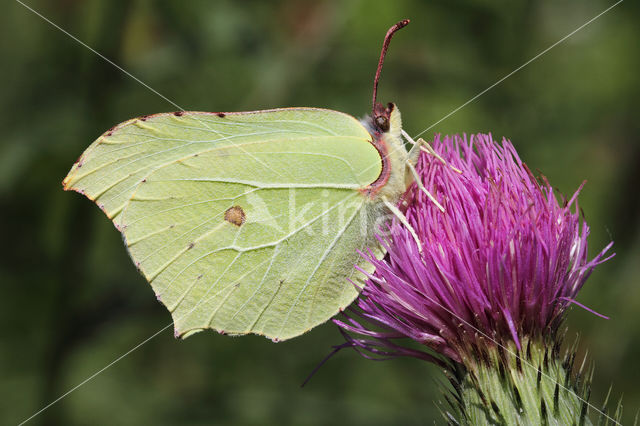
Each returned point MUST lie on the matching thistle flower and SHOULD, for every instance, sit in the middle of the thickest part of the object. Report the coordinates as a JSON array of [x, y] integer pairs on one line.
[[496, 270]]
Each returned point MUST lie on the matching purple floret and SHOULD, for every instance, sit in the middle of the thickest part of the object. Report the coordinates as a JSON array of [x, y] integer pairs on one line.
[[503, 261]]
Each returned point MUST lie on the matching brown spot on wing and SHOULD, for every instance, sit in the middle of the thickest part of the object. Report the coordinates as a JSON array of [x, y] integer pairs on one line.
[[235, 215]]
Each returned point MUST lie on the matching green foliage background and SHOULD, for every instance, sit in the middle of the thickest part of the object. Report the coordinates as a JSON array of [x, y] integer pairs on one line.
[[72, 302]]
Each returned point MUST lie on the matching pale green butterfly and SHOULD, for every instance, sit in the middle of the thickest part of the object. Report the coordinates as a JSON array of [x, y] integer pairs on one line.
[[250, 222]]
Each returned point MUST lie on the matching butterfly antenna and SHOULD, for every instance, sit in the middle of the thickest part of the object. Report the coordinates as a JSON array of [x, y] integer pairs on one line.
[[383, 53]]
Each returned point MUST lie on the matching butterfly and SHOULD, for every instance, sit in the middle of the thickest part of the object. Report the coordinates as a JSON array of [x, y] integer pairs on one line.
[[250, 222]]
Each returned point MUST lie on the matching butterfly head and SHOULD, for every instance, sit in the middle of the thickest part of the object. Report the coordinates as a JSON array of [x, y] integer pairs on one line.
[[381, 116], [385, 119]]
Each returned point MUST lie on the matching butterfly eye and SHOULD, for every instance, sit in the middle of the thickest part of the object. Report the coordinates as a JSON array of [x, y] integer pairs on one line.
[[382, 123]]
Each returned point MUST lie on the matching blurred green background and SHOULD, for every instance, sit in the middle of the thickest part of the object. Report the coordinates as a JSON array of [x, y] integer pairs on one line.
[[72, 302]]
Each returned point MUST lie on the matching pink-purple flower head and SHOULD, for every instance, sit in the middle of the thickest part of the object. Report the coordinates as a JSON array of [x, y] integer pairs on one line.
[[502, 263]]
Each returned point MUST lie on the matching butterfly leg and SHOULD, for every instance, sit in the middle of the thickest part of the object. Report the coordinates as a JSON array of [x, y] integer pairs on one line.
[[426, 147], [412, 159], [412, 155], [418, 182], [403, 219], [423, 145]]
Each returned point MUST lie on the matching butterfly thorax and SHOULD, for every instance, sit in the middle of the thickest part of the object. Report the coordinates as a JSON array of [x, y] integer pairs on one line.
[[385, 127]]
